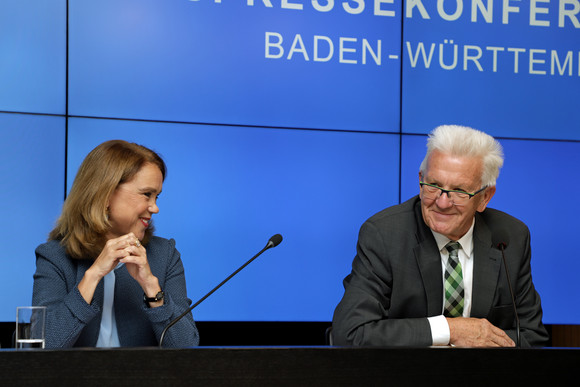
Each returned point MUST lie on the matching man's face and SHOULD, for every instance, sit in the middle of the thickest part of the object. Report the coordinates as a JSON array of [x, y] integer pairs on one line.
[[453, 173]]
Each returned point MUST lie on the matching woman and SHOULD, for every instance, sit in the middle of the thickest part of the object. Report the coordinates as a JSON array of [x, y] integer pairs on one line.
[[105, 279]]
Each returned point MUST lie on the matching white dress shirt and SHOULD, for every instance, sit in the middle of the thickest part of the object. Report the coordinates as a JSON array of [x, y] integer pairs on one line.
[[439, 327]]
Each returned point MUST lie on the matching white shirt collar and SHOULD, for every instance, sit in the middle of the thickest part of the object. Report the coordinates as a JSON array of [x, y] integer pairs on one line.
[[466, 241]]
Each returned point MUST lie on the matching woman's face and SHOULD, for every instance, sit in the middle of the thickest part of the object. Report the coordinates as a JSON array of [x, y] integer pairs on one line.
[[133, 203]]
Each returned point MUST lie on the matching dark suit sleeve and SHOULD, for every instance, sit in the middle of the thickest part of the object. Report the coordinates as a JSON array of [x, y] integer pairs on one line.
[[363, 315], [55, 287], [532, 331], [184, 333]]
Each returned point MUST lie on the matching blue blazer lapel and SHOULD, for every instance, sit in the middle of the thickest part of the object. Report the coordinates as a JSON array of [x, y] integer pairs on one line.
[[486, 267]]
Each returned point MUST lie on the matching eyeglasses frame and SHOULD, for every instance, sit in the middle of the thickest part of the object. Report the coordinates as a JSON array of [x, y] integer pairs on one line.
[[447, 191]]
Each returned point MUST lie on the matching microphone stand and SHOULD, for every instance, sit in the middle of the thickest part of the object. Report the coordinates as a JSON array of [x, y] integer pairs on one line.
[[502, 246], [273, 242]]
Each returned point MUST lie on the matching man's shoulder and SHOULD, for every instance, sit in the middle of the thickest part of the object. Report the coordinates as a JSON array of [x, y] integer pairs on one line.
[[495, 218], [399, 212]]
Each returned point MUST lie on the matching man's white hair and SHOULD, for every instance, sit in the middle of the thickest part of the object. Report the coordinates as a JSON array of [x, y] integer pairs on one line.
[[458, 140]]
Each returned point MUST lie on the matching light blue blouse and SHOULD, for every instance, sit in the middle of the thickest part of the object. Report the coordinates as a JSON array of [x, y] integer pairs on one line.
[[108, 336]]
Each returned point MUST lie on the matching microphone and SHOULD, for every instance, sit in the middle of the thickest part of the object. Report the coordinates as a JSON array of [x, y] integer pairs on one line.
[[272, 242], [501, 240]]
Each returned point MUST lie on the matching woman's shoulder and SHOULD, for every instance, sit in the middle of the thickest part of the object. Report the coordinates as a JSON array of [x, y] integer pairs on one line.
[[160, 241], [161, 252], [55, 253], [160, 245], [51, 248]]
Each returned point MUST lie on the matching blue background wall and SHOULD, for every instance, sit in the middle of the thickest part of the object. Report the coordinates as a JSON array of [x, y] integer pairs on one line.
[[287, 116]]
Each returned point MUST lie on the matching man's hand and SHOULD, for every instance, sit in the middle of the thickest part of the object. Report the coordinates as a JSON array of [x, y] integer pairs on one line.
[[474, 332]]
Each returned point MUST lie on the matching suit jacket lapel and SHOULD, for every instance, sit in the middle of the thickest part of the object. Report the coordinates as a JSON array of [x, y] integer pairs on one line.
[[429, 262], [486, 267]]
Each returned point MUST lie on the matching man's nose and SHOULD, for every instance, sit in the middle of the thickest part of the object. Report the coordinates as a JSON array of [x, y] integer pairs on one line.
[[444, 201]]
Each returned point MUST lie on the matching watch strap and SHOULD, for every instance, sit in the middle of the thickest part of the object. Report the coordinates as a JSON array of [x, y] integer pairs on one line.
[[158, 297]]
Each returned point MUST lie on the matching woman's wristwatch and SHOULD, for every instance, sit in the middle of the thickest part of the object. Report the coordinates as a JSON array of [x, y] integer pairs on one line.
[[158, 297]]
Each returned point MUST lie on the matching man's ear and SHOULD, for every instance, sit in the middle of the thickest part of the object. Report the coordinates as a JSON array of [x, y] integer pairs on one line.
[[487, 195]]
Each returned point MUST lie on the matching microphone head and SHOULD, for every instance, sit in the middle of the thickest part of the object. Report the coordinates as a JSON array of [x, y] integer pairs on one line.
[[275, 240], [500, 238]]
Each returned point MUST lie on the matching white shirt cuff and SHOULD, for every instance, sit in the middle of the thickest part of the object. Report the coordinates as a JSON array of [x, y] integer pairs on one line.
[[439, 330]]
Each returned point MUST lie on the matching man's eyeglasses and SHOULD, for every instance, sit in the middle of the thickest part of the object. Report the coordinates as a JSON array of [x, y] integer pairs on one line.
[[458, 197]]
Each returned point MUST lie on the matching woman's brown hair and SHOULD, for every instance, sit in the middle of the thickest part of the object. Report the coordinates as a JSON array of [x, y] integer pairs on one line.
[[83, 223]]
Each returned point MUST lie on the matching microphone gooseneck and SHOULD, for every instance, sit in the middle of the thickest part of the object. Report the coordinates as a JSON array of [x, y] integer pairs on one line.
[[272, 242], [501, 241]]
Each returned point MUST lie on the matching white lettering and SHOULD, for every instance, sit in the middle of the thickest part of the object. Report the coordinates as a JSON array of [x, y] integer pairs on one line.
[[301, 49], [419, 4], [560, 63], [507, 9], [277, 45], [516, 52], [376, 55], [448, 10], [317, 58], [288, 5], [442, 63], [267, 3], [342, 50], [474, 59], [445, 16], [486, 12], [420, 50], [328, 7], [494, 50], [556, 63], [534, 61], [534, 10], [350, 50], [571, 13], [381, 12], [354, 11]]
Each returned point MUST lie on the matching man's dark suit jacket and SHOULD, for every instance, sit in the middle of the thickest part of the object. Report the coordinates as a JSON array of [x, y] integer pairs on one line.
[[396, 281]]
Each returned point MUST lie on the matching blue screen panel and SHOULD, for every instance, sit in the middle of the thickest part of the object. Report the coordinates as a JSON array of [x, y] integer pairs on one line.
[[31, 170], [33, 56], [230, 62], [509, 67], [536, 185], [229, 189], [553, 219]]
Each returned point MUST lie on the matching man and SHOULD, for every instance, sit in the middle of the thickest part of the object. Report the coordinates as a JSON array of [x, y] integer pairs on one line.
[[398, 293]]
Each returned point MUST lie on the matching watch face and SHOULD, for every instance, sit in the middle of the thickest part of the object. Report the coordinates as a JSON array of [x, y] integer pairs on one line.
[[159, 296]]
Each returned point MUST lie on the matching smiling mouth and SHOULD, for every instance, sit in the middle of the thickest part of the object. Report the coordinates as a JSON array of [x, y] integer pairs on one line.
[[443, 214], [145, 221]]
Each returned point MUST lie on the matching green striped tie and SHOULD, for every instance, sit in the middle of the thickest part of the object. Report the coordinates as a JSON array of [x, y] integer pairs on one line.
[[454, 293]]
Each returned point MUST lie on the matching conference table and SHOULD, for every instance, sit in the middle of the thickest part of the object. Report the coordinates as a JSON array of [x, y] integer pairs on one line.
[[288, 366]]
